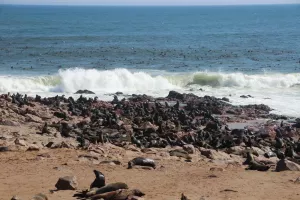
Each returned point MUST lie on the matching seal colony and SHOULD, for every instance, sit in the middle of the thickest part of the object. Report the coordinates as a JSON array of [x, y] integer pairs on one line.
[[186, 123]]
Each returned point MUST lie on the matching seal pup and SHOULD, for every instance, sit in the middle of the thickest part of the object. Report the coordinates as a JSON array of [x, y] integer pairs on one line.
[[119, 195], [99, 180], [141, 161], [108, 188]]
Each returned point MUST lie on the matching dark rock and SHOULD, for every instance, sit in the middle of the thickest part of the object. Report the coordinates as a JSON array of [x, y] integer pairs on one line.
[[4, 149], [225, 99], [15, 198], [175, 95], [284, 165], [67, 183], [84, 92]]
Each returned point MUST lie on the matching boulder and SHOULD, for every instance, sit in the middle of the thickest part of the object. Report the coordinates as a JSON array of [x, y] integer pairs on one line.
[[214, 155], [33, 118], [175, 95], [33, 147], [84, 92], [67, 183], [189, 148], [20, 142], [15, 198], [9, 123], [285, 164]]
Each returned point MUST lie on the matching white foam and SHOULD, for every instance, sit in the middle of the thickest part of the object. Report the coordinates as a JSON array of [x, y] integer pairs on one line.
[[280, 88]]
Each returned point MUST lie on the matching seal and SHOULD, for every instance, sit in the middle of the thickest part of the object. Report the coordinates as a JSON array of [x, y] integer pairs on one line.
[[141, 161], [39, 196], [108, 188], [183, 197], [254, 165], [99, 180], [118, 195]]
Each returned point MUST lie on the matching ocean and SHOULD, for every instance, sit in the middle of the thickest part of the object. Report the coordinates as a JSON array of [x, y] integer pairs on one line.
[[223, 51]]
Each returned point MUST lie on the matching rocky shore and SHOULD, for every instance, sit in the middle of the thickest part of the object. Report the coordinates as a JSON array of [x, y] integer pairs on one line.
[[179, 127]]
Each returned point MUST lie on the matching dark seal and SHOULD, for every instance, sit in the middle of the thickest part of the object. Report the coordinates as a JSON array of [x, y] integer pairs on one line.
[[108, 188], [142, 162], [99, 180]]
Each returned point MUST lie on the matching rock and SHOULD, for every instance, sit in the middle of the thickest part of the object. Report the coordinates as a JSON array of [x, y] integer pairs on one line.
[[45, 155], [180, 153], [9, 123], [236, 150], [267, 161], [67, 183], [212, 126], [297, 180], [33, 118], [285, 164], [4, 149], [214, 155], [20, 142], [189, 148], [225, 99], [84, 92], [258, 151], [39, 196], [15, 198], [111, 162], [33, 147], [175, 95], [216, 169], [244, 96]]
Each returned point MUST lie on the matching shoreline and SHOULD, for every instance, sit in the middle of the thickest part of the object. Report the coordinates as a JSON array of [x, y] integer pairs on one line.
[[194, 132]]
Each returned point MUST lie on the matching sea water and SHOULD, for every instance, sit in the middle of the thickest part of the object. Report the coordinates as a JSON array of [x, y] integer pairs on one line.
[[223, 51]]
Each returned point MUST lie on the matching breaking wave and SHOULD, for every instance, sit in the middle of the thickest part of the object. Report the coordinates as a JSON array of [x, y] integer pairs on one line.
[[109, 81]]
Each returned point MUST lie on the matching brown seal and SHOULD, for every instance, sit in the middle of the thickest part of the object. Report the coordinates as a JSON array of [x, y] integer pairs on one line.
[[108, 188], [183, 197], [142, 162], [99, 180], [121, 194]]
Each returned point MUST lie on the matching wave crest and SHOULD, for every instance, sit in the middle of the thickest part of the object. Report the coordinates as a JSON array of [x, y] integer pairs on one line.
[[123, 80]]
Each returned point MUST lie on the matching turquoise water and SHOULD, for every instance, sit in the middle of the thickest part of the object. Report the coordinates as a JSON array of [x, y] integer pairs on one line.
[[224, 50]]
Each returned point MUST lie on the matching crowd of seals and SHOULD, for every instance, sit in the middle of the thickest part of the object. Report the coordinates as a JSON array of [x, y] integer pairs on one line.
[[175, 120]]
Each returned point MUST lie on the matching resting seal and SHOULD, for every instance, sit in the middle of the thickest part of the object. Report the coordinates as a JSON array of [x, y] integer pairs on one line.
[[99, 180], [141, 161], [118, 195], [108, 188]]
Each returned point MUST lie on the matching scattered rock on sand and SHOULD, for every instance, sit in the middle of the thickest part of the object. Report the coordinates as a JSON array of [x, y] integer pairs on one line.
[[67, 183]]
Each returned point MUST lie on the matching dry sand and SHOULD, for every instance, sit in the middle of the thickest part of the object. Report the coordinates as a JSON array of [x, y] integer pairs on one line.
[[25, 174]]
